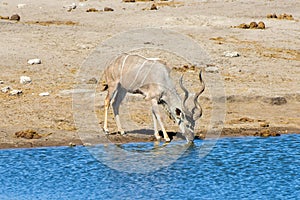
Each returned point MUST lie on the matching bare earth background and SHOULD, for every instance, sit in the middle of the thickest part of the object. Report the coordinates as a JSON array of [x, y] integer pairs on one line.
[[262, 84]]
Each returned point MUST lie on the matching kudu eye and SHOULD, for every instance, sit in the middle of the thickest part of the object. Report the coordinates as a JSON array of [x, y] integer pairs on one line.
[[178, 112]]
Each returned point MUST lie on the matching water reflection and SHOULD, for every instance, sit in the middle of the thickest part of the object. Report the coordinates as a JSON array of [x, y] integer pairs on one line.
[[139, 157]]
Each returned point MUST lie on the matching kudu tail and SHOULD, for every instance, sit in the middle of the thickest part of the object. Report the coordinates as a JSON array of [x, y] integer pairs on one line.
[[104, 86]]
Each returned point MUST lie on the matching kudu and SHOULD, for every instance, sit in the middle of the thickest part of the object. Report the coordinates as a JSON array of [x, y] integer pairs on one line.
[[150, 78]]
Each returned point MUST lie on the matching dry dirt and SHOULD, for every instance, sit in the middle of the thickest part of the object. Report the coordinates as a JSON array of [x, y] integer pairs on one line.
[[262, 84]]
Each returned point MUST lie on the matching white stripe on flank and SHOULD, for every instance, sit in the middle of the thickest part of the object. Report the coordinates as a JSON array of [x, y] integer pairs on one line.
[[137, 74]]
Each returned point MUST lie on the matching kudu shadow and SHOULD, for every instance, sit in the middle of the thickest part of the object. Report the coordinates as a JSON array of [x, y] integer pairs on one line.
[[150, 132]]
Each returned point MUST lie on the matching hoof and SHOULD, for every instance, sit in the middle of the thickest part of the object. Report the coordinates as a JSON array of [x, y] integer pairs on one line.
[[122, 132], [168, 140], [106, 131], [157, 136]]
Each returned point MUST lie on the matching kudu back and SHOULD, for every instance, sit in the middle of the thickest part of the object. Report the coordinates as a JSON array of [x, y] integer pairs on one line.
[[151, 78]]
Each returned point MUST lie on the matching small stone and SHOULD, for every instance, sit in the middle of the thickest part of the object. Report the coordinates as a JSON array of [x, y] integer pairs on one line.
[[15, 17], [4, 17], [265, 133], [231, 54], [28, 134], [261, 25], [153, 7], [5, 89], [92, 81], [92, 10], [264, 124], [34, 61], [71, 144], [212, 69], [15, 92], [286, 16], [43, 94], [108, 9], [71, 7], [278, 101], [253, 25], [21, 5], [244, 26], [271, 15], [1, 82], [25, 79]]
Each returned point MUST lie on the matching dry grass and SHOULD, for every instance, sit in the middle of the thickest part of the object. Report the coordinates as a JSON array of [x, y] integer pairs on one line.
[[52, 22]]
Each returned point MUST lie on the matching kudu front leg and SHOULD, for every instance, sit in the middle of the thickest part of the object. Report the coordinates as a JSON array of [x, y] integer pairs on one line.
[[156, 116]]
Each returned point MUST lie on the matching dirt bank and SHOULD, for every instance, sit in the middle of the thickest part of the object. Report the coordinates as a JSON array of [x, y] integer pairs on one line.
[[261, 84]]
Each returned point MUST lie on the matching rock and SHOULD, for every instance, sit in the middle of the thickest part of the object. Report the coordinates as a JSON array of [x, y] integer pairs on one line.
[[212, 69], [92, 10], [253, 25], [71, 144], [285, 16], [43, 94], [231, 54], [261, 25], [28, 134], [15, 92], [15, 17], [153, 7], [272, 16], [85, 46], [70, 7], [278, 101], [21, 5], [108, 9], [92, 81], [265, 133], [1, 82], [5, 89], [243, 25], [4, 17], [264, 124], [34, 61], [25, 80]]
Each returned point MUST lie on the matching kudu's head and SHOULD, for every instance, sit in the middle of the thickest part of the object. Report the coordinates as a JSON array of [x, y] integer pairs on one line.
[[190, 111]]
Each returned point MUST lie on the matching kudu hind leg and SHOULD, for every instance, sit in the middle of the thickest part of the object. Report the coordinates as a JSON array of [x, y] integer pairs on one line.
[[116, 101], [106, 107]]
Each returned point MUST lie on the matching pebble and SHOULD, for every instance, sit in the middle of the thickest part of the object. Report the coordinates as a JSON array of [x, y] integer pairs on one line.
[[25, 79], [4, 17], [1, 82], [278, 101], [21, 5], [43, 94], [261, 25], [71, 144], [15, 17], [5, 89], [212, 69], [108, 9], [15, 92], [34, 61], [231, 54], [92, 81], [153, 7], [71, 7]]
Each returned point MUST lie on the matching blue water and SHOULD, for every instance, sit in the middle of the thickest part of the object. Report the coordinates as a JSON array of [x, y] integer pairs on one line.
[[236, 168]]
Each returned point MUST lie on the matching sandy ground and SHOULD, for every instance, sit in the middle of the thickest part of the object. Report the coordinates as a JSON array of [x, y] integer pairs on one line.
[[261, 85]]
